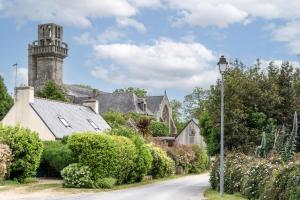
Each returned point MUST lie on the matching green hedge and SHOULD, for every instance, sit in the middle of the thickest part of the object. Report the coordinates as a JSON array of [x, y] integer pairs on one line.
[[105, 155], [162, 165], [201, 160], [57, 155], [26, 148], [77, 176], [144, 158], [159, 129]]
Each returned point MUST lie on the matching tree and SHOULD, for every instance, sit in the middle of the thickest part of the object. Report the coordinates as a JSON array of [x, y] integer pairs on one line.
[[137, 91], [52, 91], [6, 101], [177, 114], [193, 103]]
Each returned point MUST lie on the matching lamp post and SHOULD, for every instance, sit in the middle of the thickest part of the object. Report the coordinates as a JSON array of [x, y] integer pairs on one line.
[[223, 64]]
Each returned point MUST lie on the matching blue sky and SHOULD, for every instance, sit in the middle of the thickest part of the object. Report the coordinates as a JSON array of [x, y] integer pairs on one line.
[[153, 44]]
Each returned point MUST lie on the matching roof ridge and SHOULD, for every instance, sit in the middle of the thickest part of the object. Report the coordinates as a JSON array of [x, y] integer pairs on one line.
[[58, 101]]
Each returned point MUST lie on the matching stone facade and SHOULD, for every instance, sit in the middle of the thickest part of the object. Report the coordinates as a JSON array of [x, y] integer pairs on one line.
[[45, 56]]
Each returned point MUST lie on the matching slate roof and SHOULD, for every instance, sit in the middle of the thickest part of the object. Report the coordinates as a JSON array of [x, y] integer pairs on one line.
[[76, 115], [153, 103]]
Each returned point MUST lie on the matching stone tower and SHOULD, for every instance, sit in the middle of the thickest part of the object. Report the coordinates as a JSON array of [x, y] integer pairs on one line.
[[45, 56]]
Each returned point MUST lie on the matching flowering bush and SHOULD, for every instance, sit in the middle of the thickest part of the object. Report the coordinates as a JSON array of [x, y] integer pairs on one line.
[[183, 155], [77, 176], [162, 165], [5, 159]]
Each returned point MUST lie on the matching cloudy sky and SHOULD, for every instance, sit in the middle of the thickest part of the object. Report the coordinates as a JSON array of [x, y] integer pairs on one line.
[[153, 44]]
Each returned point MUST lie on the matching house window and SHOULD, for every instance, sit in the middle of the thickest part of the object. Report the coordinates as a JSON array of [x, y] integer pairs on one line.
[[192, 136], [65, 123], [93, 124], [192, 133]]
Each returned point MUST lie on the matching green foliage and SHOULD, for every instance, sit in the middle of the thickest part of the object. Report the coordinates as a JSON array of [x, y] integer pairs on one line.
[[286, 184], [177, 115], [162, 165], [105, 183], [137, 91], [201, 160], [183, 155], [106, 155], [159, 129], [254, 102], [57, 155], [52, 91], [144, 158], [6, 101], [77, 176], [114, 119], [26, 148], [261, 150]]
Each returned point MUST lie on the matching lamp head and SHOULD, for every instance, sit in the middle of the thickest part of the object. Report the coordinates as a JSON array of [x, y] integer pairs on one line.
[[223, 64]]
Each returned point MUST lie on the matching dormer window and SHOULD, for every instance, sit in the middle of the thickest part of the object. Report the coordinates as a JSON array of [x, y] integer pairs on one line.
[[93, 125], [64, 122]]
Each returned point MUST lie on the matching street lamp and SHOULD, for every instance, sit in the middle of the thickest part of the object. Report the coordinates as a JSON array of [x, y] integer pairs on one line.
[[223, 65]]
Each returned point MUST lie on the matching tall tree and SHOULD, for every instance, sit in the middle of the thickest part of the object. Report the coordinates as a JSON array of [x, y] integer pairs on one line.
[[177, 114], [52, 91], [137, 91], [6, 100], [193, 103]]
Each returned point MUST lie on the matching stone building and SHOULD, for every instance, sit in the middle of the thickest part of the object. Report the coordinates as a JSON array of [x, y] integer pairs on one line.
[[45, 56], [45, 62]]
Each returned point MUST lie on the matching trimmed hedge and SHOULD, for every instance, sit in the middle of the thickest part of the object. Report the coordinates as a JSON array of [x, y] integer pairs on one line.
[[26, 148], [159, 129], [143, 161], [162, 165], [57, 155], [105, 155]]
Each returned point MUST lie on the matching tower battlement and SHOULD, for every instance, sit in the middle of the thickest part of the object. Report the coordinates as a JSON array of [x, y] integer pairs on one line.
[[45, 55]]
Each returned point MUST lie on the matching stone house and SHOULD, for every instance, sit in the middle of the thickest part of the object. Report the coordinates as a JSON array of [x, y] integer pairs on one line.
[[191, 134], [53, 119]]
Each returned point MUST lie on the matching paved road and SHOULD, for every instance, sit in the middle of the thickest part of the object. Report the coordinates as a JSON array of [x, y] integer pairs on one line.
[[186, 188]]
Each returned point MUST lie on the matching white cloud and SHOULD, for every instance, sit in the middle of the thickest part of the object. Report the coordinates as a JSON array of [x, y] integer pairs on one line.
[[222, 13], [164, 64], [128, 22], [22, 76], [73, 12], [289, 33], [108, 35]]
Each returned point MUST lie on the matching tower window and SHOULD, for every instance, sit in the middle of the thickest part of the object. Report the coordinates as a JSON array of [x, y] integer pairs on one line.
[[64, 122], [93, 125]]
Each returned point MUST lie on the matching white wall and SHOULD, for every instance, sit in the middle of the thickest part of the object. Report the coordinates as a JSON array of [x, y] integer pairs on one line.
[[185, 138], [23, 114]]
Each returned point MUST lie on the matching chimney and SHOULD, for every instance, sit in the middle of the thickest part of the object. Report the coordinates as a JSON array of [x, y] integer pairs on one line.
[[24, 95], [92, 103]]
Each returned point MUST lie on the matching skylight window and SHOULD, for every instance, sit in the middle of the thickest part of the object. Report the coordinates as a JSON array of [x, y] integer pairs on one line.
[[93, 124], [65, 123]]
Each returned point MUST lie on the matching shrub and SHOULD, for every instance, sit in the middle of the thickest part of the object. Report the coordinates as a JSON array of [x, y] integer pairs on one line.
[[26, 148], [162, 165], [105, 183], [235, 168], [144, 158], [5, 159], [255, 179], [77, 176], [106, 155], [182, 155], [201, 161], [57, 155], [114, 119], [159, 129], [286, 184]]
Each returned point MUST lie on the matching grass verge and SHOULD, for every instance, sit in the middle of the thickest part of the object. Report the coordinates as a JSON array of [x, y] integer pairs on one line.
[[211, 194]]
